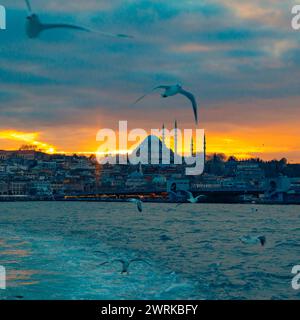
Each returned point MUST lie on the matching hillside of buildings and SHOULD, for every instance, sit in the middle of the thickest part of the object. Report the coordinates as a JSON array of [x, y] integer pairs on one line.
[[37, 174]]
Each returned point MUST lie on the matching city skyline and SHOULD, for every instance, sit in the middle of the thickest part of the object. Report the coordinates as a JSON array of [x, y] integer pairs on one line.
[[240, 60]]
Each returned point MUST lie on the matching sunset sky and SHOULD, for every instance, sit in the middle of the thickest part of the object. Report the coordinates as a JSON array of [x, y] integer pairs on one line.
[[241, 59]]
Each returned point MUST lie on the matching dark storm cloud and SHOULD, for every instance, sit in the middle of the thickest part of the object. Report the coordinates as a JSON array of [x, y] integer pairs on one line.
[[215, 50]]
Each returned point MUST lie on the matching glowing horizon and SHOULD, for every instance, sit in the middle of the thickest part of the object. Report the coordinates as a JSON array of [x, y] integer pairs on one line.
[[230, 146]]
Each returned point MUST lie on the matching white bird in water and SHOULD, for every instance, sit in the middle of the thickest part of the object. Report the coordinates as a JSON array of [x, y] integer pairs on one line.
[[172, 91], [34, 26], [138, 203], [193, 199], [253, 240], [125, 264]]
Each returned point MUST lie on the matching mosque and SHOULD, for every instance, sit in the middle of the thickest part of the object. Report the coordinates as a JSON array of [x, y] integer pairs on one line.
[[164, 149]]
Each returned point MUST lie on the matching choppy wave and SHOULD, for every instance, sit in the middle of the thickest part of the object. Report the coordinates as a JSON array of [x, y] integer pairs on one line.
[[55, 250]]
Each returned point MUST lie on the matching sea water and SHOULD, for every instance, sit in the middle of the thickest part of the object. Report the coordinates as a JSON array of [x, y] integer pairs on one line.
[[57, 250]]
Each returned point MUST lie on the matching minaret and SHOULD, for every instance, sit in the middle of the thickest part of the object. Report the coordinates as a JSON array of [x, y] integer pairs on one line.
[[163, 135], [176, 138], [204, 148], [192, 147]]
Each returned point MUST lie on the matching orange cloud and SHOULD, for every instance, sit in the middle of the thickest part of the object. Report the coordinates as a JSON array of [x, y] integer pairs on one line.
[[269, 11], [194, 47]]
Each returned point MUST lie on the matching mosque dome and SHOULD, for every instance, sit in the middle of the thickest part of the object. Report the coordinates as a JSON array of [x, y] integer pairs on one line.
[[151, 151]]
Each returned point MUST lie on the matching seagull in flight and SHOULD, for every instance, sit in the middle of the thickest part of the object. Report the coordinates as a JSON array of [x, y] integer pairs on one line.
[[34, 26], [170, 91], [193, 199], [253, 240], [125, 264], [138, 203]]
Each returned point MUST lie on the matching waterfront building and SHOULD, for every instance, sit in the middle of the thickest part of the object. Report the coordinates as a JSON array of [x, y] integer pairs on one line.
[[3, 188], [18, 188]]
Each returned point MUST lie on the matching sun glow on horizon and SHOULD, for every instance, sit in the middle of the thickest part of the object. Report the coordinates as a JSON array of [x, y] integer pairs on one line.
[[229, 145], [29, 138]]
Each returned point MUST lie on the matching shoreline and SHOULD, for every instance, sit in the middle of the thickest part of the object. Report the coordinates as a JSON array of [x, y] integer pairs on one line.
[[30, 199]]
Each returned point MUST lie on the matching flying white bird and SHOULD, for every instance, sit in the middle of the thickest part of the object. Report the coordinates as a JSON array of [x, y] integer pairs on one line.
[[253, 240], [138, 203], [34, 26], [172, 91], [125, 264], [193, 199]]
